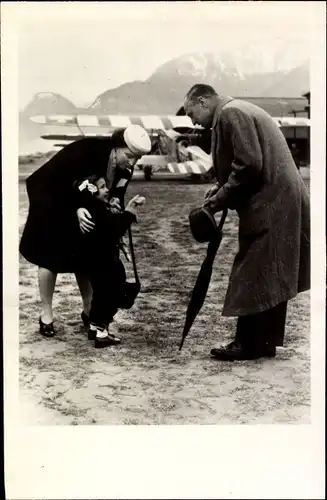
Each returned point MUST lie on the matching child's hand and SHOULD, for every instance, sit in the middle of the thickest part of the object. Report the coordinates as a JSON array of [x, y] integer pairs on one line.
[[114, 204], [135, 203], [138, 200]]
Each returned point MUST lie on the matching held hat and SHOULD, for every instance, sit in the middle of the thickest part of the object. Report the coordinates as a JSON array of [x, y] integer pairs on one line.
[[203, 225], [137, 139]]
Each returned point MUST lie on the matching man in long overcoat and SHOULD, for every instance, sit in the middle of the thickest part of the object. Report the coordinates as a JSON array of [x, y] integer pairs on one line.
[[257, 177]]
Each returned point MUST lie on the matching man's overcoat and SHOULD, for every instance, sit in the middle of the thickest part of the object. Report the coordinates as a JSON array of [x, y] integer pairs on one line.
[[258, 178]]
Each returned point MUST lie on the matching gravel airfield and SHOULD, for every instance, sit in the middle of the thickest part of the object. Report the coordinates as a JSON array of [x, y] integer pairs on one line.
[[146, 380]]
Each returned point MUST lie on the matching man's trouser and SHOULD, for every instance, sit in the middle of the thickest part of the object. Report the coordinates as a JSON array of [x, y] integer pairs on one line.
[[263, 329]]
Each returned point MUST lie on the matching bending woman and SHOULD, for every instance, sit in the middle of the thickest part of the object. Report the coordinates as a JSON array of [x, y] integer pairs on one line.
[[55, 219]]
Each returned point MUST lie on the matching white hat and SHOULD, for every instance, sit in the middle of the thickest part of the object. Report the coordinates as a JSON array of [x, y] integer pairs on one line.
[[137, 139]]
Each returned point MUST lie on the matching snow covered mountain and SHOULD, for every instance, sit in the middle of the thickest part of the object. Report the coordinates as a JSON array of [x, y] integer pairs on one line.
[[246, 73], [49, 102], [253, 71]]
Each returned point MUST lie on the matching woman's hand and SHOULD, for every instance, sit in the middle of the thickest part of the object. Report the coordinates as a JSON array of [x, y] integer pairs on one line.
[[135, 203], [85, 220]]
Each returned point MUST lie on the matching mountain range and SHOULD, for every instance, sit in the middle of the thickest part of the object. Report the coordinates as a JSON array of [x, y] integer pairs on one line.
[[239, 74]]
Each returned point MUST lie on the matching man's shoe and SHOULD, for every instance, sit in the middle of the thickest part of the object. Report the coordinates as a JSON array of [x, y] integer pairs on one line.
[[47, 330], [106, 341], [85, 319], [236, 352]]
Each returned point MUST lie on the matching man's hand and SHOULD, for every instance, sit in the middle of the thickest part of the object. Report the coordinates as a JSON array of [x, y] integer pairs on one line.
[[85, 220], [211, 192]]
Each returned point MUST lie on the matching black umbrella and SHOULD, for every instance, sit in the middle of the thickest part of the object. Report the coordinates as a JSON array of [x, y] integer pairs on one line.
[[203, 280]]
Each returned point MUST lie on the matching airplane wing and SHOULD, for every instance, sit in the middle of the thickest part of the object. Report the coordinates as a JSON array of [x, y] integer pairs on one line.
[[166, 130], [294, 127], [73, 127], [292, 121], [195, 161], [188, 167]]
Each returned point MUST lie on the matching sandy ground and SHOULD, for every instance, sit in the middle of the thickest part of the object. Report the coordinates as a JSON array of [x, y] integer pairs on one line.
[[146, 380]]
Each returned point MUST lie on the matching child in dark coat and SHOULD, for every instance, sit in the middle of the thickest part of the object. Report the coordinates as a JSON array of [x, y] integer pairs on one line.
[[98, 255]]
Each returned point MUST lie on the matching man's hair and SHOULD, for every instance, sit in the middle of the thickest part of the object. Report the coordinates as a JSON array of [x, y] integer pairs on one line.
[[200, 90], [181, 111]]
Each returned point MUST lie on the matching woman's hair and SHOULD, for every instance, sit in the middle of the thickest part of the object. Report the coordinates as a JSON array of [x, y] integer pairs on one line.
[[117, 138]]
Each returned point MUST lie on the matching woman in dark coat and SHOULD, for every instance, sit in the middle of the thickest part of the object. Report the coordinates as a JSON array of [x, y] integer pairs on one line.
[[55, 219]]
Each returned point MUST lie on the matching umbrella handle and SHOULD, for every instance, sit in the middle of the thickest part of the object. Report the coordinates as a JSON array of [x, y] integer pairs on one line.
[[222, 220]]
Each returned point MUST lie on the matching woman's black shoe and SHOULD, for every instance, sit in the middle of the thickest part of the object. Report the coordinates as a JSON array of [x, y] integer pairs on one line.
[[47, 330]]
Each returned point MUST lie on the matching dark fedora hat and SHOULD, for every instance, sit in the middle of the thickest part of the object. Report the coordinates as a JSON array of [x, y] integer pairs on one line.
[[203, 225]]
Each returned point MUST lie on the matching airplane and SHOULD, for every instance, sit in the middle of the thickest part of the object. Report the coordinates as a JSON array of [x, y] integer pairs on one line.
[[178, 146]]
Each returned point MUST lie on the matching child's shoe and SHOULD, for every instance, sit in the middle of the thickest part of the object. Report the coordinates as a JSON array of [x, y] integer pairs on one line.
[[92, 331], [105, 339]]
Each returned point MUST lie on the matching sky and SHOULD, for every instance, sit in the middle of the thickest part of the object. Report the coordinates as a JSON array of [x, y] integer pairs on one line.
[[82, 49]]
